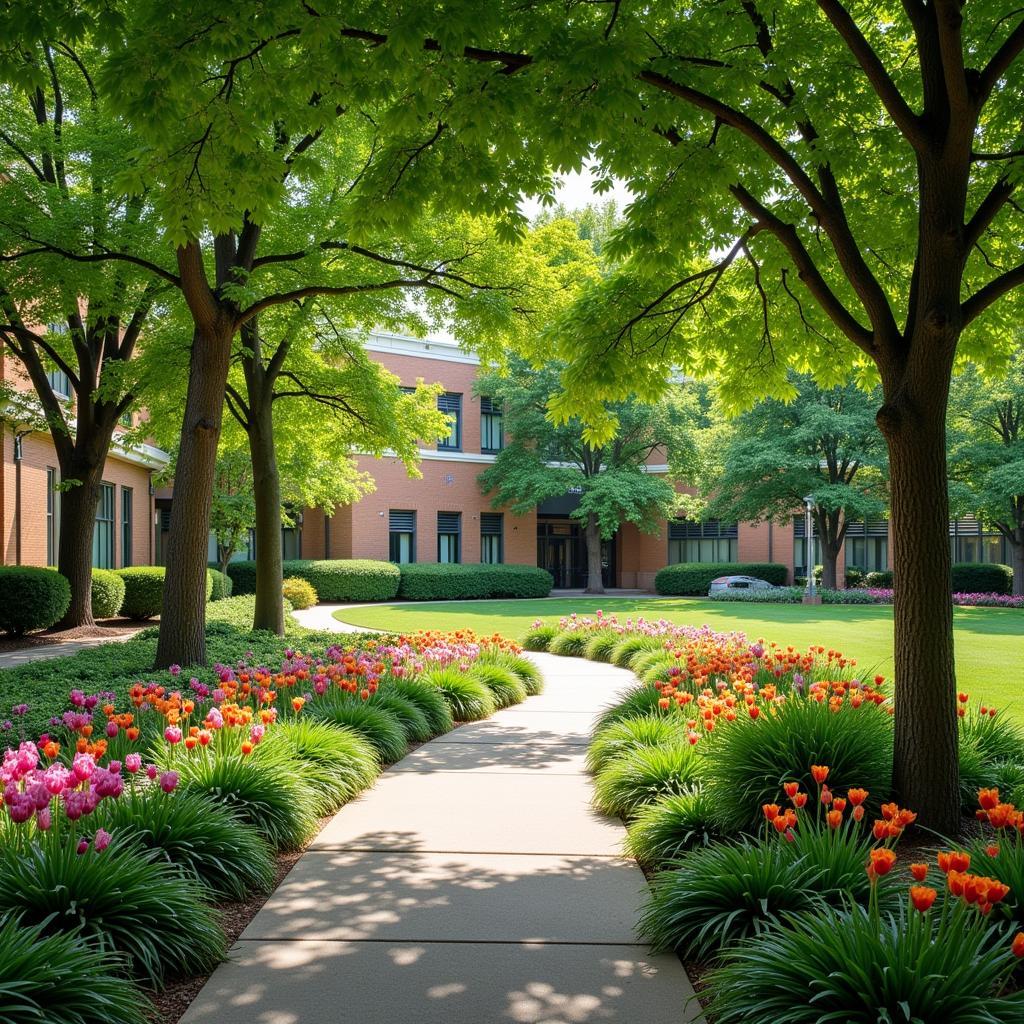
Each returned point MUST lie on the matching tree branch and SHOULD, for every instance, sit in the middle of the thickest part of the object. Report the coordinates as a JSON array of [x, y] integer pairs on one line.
[[892, 99], [1000, 63], [998, 196], [105, 255], [989, 293]]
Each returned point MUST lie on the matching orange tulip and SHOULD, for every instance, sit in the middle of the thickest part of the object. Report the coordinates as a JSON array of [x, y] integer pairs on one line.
[[857, 796], [800, 799], [819, 773], [919, 871], [835, 818], [922, 897], [1018, 945], [771, 811], [988, 798], [791, 788], [882, 860]]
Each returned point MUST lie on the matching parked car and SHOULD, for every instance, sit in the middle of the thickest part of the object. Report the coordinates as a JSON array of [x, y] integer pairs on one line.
[[738, 583]]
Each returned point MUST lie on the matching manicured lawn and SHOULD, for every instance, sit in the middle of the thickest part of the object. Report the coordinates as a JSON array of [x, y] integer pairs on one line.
[[989, 641]]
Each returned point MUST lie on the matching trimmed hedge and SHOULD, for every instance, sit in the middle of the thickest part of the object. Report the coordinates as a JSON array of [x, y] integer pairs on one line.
[[221, 584], [31, 598], [881, 580], [982, 578], [694, 578], [107, 593], [144, 590], [447, 582], [357, 579]]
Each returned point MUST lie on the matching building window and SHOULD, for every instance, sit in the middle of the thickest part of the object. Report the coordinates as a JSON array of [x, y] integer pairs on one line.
[[59, 383], [103, 531], [402, 536], [126, 527], [52, 516], [867, 545], [969, 541], [702, 542], [452, 405], [126, 419], [492, 437], [449, 534], [492, 540]]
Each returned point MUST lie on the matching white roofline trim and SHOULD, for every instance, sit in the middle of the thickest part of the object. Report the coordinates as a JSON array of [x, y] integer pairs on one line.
[[418, 348]]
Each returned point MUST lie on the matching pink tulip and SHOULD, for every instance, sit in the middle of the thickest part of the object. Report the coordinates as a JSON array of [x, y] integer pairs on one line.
[[172, 734], [101, 840], [169, 782], [133, 762]]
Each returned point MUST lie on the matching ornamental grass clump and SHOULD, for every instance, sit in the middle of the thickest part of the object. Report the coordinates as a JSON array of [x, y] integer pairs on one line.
[[201, 836], [337, 763], [506, 687], [414, 722], [619, 737], [377, 725], [635, 702], [428, 699], [60, 977], [268, 792], [631, 646], [529, 675], [602, 644], [668, 827], [643, 774], [571, 643], [539, 636], [468, 698], [122, 898], [750, 757]]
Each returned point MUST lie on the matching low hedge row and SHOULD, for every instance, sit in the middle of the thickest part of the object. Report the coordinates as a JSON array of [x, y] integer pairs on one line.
[[982, 577], [107, 593], [435, 582], [357, 579], [222, 585], [144, 590], [694, 578]]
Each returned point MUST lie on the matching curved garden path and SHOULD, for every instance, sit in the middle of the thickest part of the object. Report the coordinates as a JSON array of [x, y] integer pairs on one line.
[[473, 884]]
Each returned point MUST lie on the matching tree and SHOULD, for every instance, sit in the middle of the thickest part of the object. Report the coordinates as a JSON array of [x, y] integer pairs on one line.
[[545, 460], [819, 186], [986, 454], [73, 325], [233, 512], [821, 443]]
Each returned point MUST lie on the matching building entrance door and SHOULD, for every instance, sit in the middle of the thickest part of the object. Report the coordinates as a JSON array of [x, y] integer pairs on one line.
[[557, 560]]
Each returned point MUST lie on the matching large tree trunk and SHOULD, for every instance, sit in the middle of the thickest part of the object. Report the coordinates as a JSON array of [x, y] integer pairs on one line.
[[926, 769], [592, 535], [1017, 560], [182, 638], [74, 546], [266, 484]]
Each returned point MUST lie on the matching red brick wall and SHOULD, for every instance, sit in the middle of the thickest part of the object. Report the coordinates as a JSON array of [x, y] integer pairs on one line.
[[38, 454]]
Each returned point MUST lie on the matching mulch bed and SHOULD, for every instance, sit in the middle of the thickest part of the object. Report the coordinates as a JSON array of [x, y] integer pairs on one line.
[[105, 629]]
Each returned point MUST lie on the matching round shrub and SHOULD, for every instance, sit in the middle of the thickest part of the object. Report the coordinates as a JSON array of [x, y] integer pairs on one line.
[[353, 579], [880, 580], [31, 598], [619, 737], [601, 644], [428, 699], [539, 638], [468, 698], [666, 828], [571, 643], [337, 762], [299, 592], [58, 977], [222, 585], [144, 590], [749, 759], [267, 792], [643, 774], [378, 726], [199, 835], [124, 900], [505, 686], [447, 582], [842, 965], [635, 702], [107, 593]]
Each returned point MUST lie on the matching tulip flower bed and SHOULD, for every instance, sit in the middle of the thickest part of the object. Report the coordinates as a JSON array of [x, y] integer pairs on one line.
[[137, 813], [755, 781]]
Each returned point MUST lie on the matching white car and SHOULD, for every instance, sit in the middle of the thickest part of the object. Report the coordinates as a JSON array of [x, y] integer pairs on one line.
[[738, 583]]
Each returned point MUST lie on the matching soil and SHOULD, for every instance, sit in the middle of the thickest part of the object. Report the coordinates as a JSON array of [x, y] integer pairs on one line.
[[104, 629]]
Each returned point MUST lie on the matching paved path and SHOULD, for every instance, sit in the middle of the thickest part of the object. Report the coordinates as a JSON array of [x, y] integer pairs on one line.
[[473, 884], [44, 652]]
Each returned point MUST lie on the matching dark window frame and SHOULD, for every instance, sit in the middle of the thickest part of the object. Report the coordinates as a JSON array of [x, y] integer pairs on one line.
[[451, 403], [103, 554], [395, 535], [451, 530], [492, 528], [491, 411], [127, 511]]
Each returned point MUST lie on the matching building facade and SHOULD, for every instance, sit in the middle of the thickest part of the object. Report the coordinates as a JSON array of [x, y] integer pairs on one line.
[[442, 516]]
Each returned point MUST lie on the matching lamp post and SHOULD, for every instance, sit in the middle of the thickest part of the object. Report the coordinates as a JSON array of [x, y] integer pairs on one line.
[[811, 593]]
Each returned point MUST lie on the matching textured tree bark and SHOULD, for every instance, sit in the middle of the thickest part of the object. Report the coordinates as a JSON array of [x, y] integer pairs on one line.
[[592, 534], [1017, 561], [925, 765], [266, 482], [74, 546], [183, 618]]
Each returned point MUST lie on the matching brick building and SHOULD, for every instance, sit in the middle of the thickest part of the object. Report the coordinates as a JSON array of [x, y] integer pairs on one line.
[[440, 517]]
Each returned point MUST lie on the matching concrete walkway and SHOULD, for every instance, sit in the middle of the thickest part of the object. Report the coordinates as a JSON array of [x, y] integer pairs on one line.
[[44, 652], [473, 884]]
